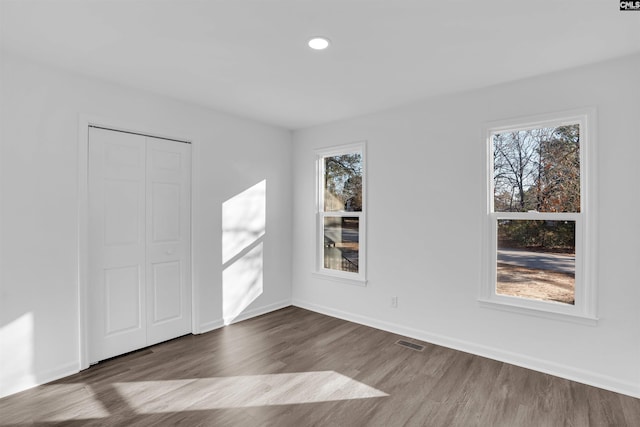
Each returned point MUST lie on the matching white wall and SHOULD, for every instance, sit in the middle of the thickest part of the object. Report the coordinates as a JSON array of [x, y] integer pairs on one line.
[[40, 110], [425, 215]]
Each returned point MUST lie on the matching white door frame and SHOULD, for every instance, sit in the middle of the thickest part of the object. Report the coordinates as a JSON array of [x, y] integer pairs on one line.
[[84, 122]]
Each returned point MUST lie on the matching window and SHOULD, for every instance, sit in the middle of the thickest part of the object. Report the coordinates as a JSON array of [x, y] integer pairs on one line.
[[341, 213], [539, 230]]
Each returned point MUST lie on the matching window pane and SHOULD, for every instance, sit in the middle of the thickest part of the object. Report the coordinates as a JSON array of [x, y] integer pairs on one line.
[[343, 183], [341, 243], [537, 170], [536, 259]]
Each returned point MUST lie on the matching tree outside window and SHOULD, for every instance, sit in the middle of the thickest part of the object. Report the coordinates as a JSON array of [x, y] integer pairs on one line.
[[341, 211], [536, 189]]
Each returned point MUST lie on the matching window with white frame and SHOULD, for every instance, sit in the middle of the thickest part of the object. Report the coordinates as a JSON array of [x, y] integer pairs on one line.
[[341, 212], [540, 226]]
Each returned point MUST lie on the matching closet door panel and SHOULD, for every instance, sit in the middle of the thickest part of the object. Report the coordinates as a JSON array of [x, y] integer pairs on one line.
[[168, 242], [139, 241], [117, 258]]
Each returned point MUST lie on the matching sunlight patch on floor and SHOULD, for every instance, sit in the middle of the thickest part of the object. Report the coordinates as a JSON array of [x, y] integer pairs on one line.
[[243, 391], [60, 402]]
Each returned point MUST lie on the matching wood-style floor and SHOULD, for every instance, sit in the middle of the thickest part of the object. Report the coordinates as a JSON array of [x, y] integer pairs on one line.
[[294, 367]]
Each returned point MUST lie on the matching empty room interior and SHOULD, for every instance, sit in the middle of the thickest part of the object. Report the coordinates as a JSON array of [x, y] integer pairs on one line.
[[320, 213]]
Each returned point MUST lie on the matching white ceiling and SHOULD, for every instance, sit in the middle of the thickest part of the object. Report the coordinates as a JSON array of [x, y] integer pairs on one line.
[[249, 57]]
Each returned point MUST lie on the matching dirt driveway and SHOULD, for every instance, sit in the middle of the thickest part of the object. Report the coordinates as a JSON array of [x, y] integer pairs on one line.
[[537, 284]]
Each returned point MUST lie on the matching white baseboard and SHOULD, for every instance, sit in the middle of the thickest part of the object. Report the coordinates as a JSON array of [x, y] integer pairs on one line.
[[522, 360], [40, 378], [210, 326], [259, 311], [74, 367], [59, 372], [16, 386]]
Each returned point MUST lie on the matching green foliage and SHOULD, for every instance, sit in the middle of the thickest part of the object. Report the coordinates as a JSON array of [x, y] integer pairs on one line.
[[537, 234]]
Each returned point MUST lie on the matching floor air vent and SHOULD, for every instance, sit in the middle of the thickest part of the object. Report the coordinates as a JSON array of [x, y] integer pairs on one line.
[[412, 346]]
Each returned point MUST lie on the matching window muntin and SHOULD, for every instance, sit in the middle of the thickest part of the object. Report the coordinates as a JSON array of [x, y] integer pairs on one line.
[[341, 212], [539, 228]]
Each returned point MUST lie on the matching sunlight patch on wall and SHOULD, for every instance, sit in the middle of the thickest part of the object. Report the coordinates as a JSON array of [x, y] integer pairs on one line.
[[241, 283], [16, 355], [149, 397], [243, 230], [244, 219]]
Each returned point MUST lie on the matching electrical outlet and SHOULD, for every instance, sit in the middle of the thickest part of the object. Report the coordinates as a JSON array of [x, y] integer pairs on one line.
[[394, 302]]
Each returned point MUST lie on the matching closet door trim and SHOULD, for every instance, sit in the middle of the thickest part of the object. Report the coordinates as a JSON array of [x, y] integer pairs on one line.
[[86, 121]]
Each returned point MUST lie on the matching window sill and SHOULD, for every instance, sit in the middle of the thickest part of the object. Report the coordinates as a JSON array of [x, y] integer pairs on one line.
[[536, 312], [340, 279]]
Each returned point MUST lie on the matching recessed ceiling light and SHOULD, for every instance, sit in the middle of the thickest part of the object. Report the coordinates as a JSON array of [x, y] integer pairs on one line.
[[318, 43]]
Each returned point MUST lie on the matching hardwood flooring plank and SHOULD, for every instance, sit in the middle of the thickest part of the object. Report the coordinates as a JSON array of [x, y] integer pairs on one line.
[[294, 367]]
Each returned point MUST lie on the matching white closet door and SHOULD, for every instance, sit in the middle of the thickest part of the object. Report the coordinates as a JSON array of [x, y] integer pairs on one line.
[[168, 240], [139, 242], [117, 258]]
